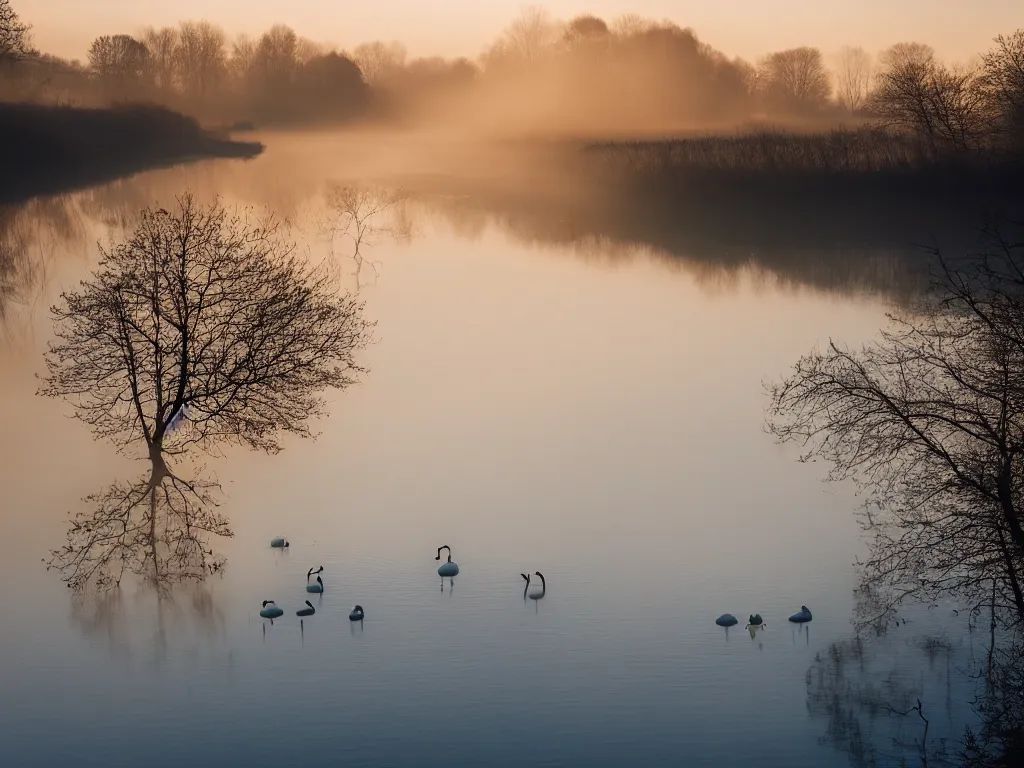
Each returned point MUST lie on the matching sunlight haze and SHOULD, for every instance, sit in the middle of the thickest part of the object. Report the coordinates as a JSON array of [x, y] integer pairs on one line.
[[748, 28]]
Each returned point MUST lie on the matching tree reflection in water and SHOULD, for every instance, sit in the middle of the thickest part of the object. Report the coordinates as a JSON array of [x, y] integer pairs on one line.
[[872, 710], [153, 528], [201, 329], [151, 621], [31, 235]]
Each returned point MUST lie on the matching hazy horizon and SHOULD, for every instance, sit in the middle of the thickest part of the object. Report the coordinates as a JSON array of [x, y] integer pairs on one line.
[[449, 28]]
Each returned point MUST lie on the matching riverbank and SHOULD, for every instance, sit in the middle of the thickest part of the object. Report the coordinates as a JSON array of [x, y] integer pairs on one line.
[[48, 149], [868, 162]]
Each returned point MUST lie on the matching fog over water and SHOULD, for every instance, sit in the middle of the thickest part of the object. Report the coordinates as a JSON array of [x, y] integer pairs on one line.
[[548, 390]]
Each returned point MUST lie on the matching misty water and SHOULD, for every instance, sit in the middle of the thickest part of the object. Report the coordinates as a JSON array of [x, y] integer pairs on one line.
[[589, 409]]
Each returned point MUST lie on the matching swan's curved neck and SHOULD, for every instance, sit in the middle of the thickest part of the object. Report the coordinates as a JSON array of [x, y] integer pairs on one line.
[[449, 552]]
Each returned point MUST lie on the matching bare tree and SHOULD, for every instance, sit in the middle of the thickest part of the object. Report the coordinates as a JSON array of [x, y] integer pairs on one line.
[[200, 57], [162, 44], [306, 51], [630, 24], [947, 107], [929, 421], [526, 40], [119, 59], [1003, 75], [795, 79], [275, 59], [242, 62], [362, 216], [378, 60], [853, 77], [203, 315], [14, 33]]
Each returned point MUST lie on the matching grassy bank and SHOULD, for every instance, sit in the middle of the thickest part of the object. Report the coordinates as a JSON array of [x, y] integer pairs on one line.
[[836, 163], [48, 149]]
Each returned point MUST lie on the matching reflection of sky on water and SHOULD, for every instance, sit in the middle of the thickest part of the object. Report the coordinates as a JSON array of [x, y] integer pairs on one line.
[[598, 421]]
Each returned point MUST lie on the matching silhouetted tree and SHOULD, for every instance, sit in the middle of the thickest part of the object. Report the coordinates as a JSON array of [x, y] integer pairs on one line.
[[1003, 77], [999, 741], [14, 33], [929, 421], [795, 80], [947, 108], [200, 58], [378, 60], [121, 60], [242, 63], [330, 86], [204, 313], [274, 61], [162, 45], [853, 77], [526, 40]]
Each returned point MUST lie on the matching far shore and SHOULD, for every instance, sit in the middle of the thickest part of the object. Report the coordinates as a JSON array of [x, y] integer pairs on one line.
[[50, 150]]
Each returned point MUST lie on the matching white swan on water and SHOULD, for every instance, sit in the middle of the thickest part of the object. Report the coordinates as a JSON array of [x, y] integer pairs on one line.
[[536, 594], [727, 620], [449, 568], [357, 614], [802, 616], [319, 586], [270, 610], [279, 543]]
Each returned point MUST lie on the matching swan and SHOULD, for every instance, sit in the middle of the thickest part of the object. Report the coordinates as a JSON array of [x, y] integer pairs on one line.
[[449, 568], [357, 614], [318, 587], [727, 620], [306, 611], [271, 612], [279, 543], [802, 616], [756, 620], [543, 587]]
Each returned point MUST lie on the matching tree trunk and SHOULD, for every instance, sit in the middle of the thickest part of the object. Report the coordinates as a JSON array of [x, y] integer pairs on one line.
[[1011, 574], [1005, 491]]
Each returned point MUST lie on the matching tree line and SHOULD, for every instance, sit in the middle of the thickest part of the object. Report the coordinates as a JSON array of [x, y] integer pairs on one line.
[[625, 74]]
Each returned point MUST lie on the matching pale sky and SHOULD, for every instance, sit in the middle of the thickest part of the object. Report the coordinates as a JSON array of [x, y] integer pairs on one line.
[[958, 29]]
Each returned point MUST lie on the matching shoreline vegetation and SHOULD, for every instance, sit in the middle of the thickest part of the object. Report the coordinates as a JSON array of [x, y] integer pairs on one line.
[[51, 149], [809, 124]]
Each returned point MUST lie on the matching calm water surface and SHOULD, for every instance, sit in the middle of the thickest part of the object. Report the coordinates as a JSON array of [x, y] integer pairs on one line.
[[597, 419]]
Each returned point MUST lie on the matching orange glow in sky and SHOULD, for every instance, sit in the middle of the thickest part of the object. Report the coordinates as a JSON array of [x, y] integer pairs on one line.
[[748, 28]]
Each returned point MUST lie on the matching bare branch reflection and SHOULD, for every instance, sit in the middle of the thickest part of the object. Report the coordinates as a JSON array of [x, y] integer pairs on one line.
[[154, 528], [363, 216], [31, 236]]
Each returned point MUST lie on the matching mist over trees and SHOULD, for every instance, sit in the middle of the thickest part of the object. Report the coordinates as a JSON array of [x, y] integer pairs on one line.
[[585, 75]]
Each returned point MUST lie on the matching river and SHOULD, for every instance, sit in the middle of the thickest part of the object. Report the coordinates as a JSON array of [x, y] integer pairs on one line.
[[582, 407]]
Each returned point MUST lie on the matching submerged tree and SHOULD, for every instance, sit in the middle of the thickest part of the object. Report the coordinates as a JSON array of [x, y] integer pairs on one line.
[[363, 215], [929, 421], [202, 329]]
